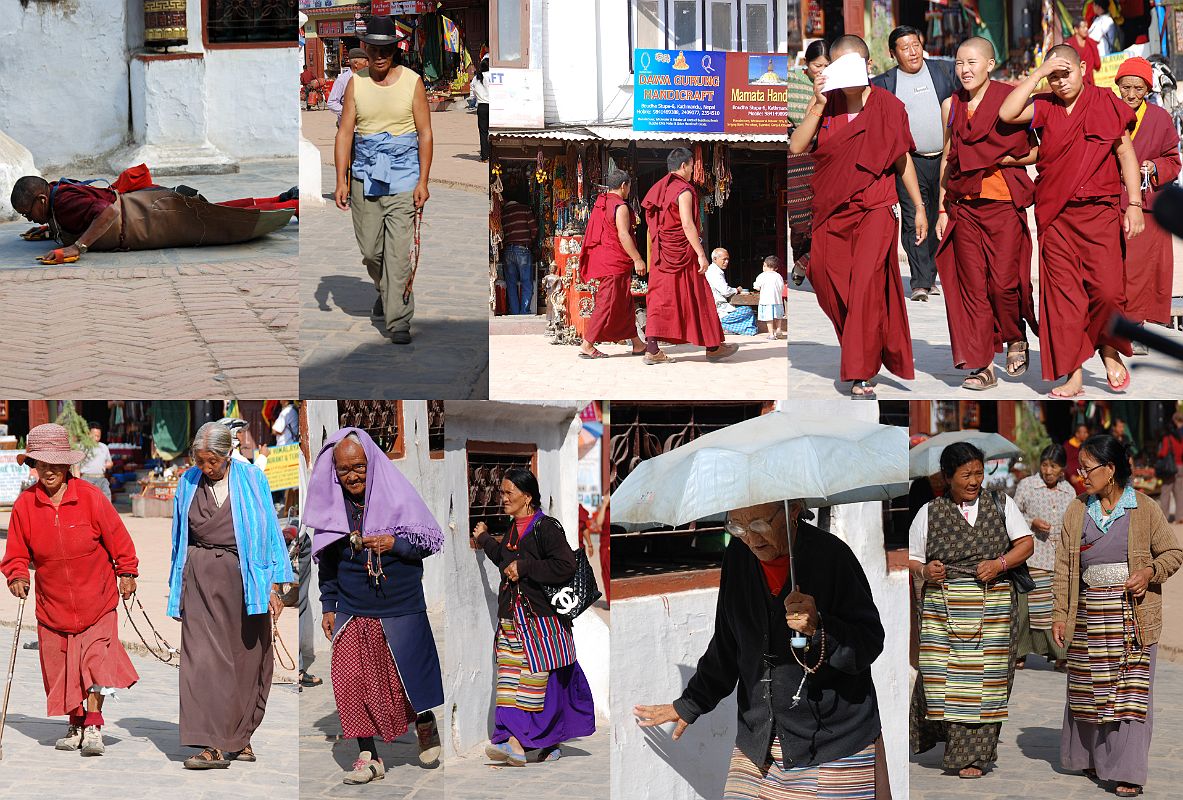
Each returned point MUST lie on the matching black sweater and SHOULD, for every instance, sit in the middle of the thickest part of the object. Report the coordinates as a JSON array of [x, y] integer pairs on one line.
[[838, 714], [543, 557], [345, 584]]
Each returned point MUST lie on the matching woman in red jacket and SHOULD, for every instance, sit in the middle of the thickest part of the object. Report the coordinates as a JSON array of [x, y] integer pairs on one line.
[[80, 546]]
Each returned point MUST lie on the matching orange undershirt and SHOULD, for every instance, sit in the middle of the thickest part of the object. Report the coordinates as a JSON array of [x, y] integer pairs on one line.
[[993, 184], [776, 572]]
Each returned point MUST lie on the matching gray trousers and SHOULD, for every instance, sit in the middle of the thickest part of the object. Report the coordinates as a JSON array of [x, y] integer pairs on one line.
[[385, 228], [101, 482], [921, 257]]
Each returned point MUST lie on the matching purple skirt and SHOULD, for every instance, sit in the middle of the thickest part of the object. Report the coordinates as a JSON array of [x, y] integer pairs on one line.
[[567, 713]]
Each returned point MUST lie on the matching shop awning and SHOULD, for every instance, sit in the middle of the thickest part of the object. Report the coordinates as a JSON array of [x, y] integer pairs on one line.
[[625, 133]]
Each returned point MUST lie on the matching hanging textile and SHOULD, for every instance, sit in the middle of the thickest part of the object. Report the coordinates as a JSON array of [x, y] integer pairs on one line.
[[451, 35], [170, 427]]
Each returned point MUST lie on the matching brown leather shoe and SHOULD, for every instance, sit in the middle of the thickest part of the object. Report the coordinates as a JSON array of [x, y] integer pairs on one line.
[[722, 351]]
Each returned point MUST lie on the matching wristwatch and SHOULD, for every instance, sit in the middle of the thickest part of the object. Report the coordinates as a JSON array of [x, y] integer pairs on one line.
[[81, 247]]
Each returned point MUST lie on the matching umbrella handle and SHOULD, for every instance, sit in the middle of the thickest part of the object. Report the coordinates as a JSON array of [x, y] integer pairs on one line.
[[798, 641]]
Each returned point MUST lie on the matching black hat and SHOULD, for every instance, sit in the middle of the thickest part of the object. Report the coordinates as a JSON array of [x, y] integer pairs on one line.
[[380, 31]]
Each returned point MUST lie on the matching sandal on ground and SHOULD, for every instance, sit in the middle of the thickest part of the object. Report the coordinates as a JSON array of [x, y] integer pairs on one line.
[[1017, 358], [640, 352], [309, 680], [1127, 790], [209, 758], [866, 390], [57, 257], [246, 754], [37, 234], [1053, 394], [980, 380], [549, 754], [970, 773], [504, 754], [1118, 387], [593, 354]]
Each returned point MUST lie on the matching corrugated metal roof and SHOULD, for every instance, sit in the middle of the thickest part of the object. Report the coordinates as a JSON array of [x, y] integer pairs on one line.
[[624, 133]]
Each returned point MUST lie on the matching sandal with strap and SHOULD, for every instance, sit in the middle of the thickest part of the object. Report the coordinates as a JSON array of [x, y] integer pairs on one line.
[[1017, 358], [58, 256], [593, 354], [246, 754], [37, 234], [980, 380], [866, 390], [209, 758], [1127, 790], [970, 773]]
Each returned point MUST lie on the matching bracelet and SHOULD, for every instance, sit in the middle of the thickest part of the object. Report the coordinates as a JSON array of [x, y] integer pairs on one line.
[[1137, 204], [819, 114], [1002, 558], [942, 211]]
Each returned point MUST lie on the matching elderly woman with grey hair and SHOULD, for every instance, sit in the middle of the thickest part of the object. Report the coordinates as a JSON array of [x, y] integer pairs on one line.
[[228, 562], [611, 256]]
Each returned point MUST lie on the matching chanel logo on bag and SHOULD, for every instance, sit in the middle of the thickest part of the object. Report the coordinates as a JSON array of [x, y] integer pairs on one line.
[[565, 600]]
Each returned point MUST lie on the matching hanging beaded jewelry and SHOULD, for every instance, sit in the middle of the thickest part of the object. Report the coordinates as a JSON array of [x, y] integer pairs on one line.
[[821, 657]]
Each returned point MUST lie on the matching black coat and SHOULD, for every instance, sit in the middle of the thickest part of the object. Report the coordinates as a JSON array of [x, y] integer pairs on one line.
[[838, 715], [543, 557], [943, 80]]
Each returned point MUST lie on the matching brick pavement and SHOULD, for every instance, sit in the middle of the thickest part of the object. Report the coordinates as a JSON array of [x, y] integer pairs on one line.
[[1029, 749], [814, 356], [581, 774]]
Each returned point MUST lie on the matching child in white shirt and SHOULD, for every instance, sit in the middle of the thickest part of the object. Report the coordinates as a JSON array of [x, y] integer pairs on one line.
[[772, 305]]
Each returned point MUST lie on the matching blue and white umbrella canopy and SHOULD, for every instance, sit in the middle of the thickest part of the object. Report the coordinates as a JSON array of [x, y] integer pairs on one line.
[[777, 456], [925, 458]]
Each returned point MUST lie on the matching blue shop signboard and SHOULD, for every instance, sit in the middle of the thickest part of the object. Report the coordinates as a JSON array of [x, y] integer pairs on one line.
[[678, 90]]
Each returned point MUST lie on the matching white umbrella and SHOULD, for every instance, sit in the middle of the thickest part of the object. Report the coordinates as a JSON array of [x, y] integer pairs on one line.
[[925, 458], [777, 456]]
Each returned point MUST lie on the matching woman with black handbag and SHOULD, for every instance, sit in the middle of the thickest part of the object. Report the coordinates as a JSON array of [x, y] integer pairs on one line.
[[1116, 550], [543, 698], [964, 551]]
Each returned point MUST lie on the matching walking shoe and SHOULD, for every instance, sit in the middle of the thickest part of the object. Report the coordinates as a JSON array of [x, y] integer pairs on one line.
[[429, 739], [92, 741], [722, 351], [920, 294], [503, 753], [935, 290], [72, 740], [379, 309], [657, 358], [365, 769], [400, 337]]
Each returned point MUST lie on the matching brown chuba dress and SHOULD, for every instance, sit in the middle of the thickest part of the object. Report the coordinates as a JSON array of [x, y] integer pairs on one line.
[[226, 663]]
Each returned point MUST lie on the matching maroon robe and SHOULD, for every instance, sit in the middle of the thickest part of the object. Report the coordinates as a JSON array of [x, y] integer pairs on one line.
[[679, 306], [984, 260], [603, 258], [1089, 54], [854, 261], [1080, 226], [1149, 256]]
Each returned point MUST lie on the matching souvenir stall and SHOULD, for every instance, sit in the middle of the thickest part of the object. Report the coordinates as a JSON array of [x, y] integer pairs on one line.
[[743, 206]]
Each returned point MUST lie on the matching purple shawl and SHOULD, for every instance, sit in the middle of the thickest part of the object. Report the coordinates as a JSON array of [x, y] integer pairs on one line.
[[392, 504]]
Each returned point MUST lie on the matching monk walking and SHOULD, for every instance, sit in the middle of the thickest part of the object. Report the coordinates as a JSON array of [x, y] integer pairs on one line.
[[610, 256], [1080, 222], [680, 305], [984, 257], [863, 141], [1149, 259]]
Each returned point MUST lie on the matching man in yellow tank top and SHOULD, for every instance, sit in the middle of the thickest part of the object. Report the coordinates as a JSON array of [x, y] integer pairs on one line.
[[383, 158]]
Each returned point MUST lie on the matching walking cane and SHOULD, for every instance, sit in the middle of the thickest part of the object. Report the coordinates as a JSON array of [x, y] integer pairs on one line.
[[20, 614]]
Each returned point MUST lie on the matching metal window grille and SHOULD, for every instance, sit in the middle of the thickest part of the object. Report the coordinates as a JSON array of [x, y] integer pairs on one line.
[[435, 427], [485, 472], [381, 419]]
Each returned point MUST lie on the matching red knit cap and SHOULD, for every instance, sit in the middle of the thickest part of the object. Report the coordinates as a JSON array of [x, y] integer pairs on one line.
[[1138, 68]]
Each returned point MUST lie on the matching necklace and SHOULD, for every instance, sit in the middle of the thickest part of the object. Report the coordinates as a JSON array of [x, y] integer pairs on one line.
[[821, 656]]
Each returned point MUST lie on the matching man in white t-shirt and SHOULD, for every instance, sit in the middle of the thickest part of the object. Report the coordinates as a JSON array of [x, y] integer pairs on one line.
[[1103, 31], [734, 319], [287, 425], [94, 467]]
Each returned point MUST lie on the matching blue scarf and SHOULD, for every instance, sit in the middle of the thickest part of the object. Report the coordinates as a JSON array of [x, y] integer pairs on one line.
[[1128, 499]]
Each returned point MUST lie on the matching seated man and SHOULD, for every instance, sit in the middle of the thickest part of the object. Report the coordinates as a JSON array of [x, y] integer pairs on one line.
[[735, 319], [140, 216]]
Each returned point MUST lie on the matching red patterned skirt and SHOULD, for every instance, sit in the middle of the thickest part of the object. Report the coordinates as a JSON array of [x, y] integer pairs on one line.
[[369, 692]]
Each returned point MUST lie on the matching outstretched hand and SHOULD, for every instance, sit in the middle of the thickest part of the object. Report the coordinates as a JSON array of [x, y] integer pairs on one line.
[[652, 716]]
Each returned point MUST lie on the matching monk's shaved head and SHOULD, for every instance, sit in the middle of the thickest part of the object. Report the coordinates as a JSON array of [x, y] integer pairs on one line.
[[1065, 51], [981, 46], [848, 44]]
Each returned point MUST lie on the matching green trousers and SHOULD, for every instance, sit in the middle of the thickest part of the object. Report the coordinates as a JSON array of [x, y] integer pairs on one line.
[[385, 229]]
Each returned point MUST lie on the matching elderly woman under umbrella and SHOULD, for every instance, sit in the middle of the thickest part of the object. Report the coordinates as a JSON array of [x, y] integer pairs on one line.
[[1116, 549], [962, 546], [543, 698], [229, 562], [81, 549], [808, 715], [371, 532]]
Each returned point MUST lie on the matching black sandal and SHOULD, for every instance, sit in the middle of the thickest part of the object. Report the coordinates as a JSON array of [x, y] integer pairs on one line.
[[867, 391], [209, 758], [307, 679]]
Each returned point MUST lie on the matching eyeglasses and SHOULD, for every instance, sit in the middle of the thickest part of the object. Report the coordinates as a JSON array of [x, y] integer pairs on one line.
[[1084, 473], [359, 469], [762, 527]]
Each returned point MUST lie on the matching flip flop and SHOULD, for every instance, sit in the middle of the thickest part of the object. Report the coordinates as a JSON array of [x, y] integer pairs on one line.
[[867, 393], [1119, 387], [593, 354], [1055, 396], [38, 234], [57, 257]]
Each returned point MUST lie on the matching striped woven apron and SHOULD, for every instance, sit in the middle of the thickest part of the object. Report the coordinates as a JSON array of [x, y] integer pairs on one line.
[[517, 686], [1039, 600], [1108, 673], [849, 778], [965, 627]]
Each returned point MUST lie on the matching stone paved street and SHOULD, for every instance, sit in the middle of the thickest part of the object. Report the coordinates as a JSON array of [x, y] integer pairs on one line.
[[1029, 750], [346, 352], [581, 774], [191, 322], [814, 356], [324, 756]]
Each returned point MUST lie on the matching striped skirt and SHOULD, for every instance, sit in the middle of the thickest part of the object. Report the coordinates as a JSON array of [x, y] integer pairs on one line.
[[517, 686], [1039, 601], [965, 651], [849, 778], [1108, 673]]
